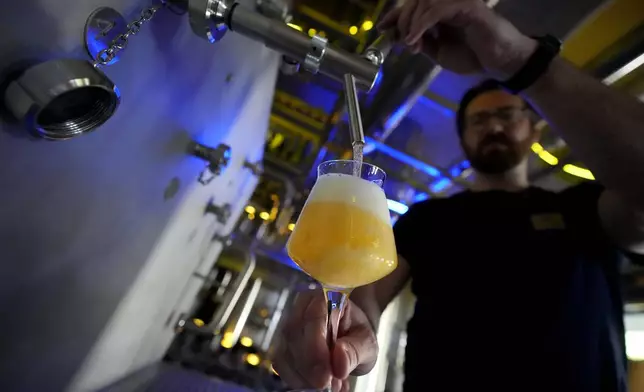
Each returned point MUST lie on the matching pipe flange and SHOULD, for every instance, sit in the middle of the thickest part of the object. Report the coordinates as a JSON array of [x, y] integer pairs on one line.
[[316, 54], [208, 18]]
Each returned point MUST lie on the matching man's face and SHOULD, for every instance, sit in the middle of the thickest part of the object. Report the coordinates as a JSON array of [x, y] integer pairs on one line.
[[497, 132]]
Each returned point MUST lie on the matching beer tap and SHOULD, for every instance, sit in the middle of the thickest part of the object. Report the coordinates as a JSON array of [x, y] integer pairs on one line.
[[211, 19]]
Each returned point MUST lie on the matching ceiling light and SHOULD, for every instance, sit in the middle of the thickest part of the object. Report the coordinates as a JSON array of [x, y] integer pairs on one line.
[[246, 341], [253, 359], [198, 322], [250, 209], [625, 70], [635, 345], [294, 26], [353, 30], [264, 215], [227, 340], [367, 25], [578, 171], [397, 207], [544, 154]]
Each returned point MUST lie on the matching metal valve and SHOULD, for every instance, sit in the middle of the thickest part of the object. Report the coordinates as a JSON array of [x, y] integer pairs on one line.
[[222, 212], [256, 168], [289, 66], [218, 159]]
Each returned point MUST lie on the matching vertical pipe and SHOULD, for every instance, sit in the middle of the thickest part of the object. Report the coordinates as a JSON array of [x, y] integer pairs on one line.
[[222, 314], [275, 319], [248, 306], [353, 108]]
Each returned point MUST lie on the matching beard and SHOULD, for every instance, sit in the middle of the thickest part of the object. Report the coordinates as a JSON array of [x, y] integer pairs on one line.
[[496, 154]]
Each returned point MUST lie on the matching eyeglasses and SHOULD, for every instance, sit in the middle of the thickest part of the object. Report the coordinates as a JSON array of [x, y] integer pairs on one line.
[[507, 115]]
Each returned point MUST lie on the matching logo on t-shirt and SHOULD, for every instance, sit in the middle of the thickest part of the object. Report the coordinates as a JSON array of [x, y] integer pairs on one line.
[[548, 221]]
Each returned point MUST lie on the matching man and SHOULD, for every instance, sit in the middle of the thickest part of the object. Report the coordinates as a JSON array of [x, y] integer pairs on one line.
[[517, 287]]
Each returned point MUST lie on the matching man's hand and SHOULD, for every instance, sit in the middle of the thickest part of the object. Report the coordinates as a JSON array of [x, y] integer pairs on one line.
[[302, 357], [464, 36]]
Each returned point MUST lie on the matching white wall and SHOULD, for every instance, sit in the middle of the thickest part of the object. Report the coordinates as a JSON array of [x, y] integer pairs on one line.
[[94, 258]]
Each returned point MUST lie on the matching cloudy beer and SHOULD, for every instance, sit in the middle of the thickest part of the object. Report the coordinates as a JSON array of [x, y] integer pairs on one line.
[[343, 237]]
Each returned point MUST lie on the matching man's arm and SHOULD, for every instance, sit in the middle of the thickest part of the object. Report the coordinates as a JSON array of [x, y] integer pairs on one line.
[[605, 129], [374, 298]]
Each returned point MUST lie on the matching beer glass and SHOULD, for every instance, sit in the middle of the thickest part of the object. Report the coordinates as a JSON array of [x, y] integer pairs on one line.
[[343, 237]]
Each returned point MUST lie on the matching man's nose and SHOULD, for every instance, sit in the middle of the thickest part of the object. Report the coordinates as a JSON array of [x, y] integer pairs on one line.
[[494, 126]]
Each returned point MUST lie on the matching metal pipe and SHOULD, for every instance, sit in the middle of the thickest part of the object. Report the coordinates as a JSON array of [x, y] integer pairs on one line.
[[248, 306], [221, 316], [333, 62], [275, 319], [353, 108]]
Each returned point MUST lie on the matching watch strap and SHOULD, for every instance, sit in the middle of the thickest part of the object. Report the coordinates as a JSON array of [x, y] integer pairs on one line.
[[547, 49]]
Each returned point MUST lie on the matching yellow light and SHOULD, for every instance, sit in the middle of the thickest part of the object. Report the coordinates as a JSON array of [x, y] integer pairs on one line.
[[294, 26], [253, 359], [545, 155], [227, 340], [246, 341], [198, 322], [322, 34], [264, 215], [250, 209], [251, 216], [312, 32], [367, 25], [578, 171], [353, 30], [291, 226]]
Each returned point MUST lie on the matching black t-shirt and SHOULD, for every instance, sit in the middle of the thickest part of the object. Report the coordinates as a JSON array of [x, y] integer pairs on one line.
[[515, 292]]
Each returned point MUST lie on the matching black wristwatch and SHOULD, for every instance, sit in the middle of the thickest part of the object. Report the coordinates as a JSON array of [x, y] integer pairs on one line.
[[548, 48]]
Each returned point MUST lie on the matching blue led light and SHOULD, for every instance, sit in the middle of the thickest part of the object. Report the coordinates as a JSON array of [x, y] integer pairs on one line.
[[397, 207], [434, 105], [440, 185], [422, 196], [404, 158], [397, 116], [455, 171]]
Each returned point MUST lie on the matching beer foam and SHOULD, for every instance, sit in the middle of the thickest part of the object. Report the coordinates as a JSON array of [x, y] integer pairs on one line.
[[351, 190]]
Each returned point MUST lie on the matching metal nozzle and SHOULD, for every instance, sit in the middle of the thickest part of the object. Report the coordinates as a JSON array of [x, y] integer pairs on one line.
[[378, 51], [353, 108]]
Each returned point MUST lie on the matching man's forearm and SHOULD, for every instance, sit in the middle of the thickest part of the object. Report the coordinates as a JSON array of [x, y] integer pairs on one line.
[[604, 128]]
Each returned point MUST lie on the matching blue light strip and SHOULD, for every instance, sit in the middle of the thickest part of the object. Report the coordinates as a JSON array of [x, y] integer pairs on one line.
[[440, 185], [404, 158], [397, 207]]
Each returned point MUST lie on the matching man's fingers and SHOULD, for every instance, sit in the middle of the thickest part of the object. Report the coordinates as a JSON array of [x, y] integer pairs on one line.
[[355, 353], [304, 356], [289, 375], [308, 348], [390, 20], [406, 15], [426, 21]]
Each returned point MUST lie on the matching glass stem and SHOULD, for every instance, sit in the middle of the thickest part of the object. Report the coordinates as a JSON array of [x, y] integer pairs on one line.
[[335, 301]]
